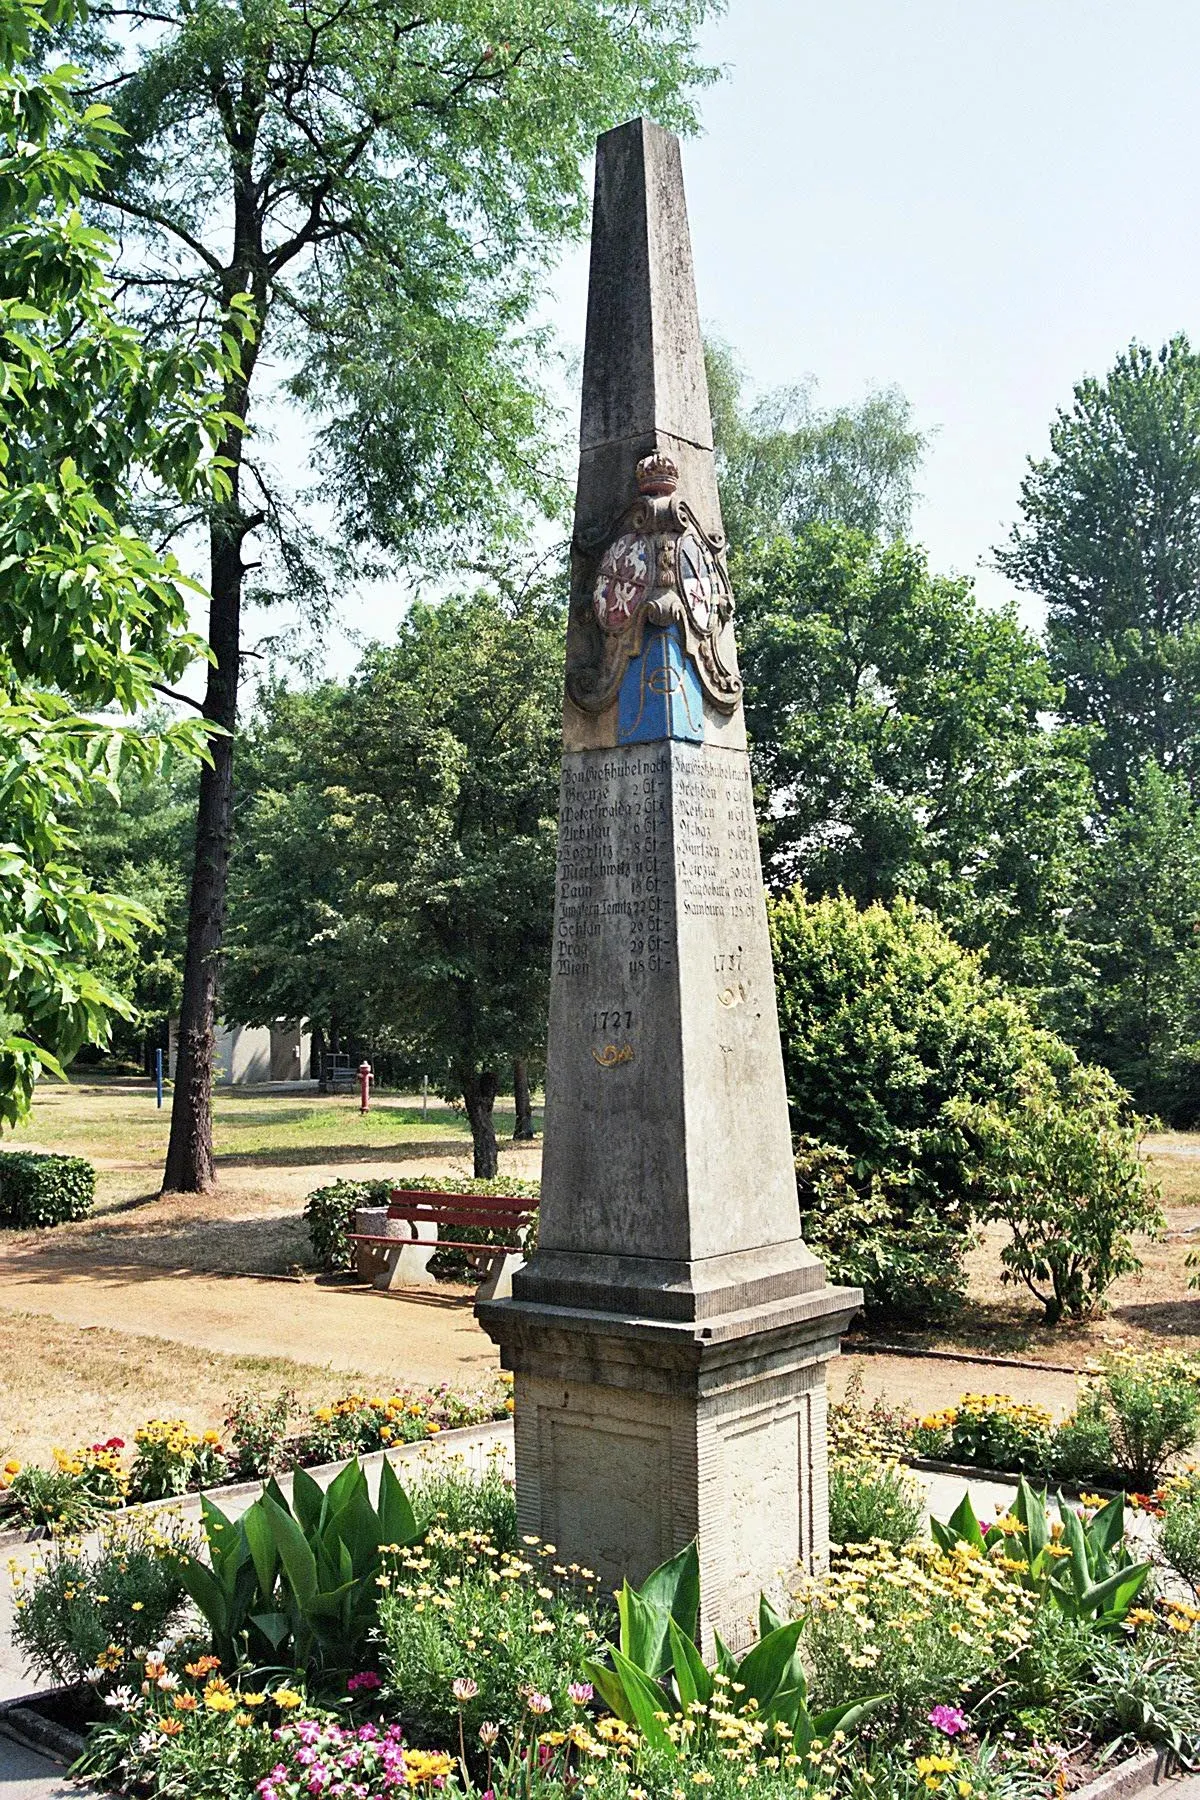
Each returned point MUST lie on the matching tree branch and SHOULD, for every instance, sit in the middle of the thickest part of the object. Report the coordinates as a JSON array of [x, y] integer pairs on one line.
[[151, 217]]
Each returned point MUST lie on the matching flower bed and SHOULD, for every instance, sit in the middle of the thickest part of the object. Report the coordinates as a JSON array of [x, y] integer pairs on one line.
[[169, 1457], [1136, 1416], [331, 1645]]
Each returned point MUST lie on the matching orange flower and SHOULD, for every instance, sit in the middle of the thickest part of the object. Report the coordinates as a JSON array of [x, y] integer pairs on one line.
[[170, 1727], [203, 1665], [185, 1703]]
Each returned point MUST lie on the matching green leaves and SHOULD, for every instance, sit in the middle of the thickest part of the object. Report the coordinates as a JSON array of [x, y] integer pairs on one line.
[[298, 1584], [658, 1670], [1079, 1564]]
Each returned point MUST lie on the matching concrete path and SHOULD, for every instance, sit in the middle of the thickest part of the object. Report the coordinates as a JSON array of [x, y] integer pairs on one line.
[[26, 1775]]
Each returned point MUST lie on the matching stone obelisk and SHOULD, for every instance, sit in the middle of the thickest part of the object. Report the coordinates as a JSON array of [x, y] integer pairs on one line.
[[669, 1336]]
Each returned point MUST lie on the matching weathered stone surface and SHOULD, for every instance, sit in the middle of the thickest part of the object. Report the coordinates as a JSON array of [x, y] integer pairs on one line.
[[668, 1336]]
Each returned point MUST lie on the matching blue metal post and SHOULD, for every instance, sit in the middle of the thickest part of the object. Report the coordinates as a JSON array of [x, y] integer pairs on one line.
[[158, 1076]]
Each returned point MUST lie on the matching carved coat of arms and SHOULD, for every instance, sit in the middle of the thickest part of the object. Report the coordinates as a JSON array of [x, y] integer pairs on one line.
[[654, 565]]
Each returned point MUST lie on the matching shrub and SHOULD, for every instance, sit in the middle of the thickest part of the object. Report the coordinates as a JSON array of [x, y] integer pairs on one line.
[[81, 1610], [994, 1431], [1151, 1404], [37, 1189], [82, 1485], [873, 1500], [1136, 1695], [920, 1625], [257, 1431], [1081, 1446], [1059, 1165], [887, 1023], [330, 1215]]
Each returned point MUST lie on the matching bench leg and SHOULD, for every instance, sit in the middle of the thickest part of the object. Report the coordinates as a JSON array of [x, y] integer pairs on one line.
[[408, 1265], [498, 1274]]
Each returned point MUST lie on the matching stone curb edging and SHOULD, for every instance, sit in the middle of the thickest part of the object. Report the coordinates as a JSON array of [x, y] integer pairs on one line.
[[1006, 1477], [868, 1347], [464, 1436], [21, 1721], [1137, 1775]]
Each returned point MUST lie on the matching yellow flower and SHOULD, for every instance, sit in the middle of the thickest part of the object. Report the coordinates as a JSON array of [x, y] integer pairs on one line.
[[287, 1698]]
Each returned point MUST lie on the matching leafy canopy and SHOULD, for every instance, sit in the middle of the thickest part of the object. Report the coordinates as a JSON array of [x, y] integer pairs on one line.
[[386, 180], [90, 615], [1109, 535], [898, 739], [784, 464]]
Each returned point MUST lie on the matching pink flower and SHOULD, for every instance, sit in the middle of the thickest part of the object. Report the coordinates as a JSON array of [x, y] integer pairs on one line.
[[580, 1692], [464, 1689], [948, 1719], [365, 1680], [540, 1703]]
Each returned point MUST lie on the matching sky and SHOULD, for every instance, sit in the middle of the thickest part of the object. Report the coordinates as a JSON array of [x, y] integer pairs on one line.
[[977, 203]]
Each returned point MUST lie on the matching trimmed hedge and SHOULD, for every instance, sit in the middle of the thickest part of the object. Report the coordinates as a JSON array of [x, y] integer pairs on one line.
[[330, 1214], [39, 1189]]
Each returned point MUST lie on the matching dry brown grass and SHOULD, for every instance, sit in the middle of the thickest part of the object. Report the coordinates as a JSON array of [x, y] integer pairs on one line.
[[63, 1384]]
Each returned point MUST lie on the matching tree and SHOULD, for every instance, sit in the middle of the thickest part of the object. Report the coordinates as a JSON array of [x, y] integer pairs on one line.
[[422, 825], [899, 743], [1138, 1010], [1109, 536], [783, 464], [90, 616], [385, 182]]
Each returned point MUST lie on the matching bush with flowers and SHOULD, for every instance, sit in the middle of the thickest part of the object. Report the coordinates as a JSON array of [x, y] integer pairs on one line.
[[170, 1458], [80, 1611]]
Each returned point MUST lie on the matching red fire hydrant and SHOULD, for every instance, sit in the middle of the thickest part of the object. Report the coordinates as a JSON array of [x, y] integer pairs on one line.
[[364, 1082]]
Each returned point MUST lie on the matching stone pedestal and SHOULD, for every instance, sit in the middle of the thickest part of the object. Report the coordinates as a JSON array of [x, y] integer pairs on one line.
[[669, 1336]]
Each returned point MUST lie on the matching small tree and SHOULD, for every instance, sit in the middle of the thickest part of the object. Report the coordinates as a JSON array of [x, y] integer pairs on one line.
[[1059, 1165]]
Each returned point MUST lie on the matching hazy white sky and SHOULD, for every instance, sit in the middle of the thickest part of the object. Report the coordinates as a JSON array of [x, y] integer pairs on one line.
[[977, 202]]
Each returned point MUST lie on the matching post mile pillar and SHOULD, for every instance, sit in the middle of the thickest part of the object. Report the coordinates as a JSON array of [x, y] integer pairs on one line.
[[669, 1336]]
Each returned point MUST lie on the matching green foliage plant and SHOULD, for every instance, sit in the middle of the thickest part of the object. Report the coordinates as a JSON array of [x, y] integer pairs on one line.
[[170, 1457], [1140, 1693], [1058, 1163], [82, 1609], [873, 1501], [1079, 1563], [256, 1427], [91, 617], [54, 1500], [655, 1670], [1179, 1526], [1081, 1447], [923, 1626], [329, 1214], [511, 1620], [296, 1586], [1151, 1404], [995, 1431], [38, 1189], [888, 1023]]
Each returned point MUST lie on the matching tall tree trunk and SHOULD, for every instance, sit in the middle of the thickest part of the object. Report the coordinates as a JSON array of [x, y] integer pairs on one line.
[[479, 1097], [522, 1099], [189, 1167], [316, 1060]]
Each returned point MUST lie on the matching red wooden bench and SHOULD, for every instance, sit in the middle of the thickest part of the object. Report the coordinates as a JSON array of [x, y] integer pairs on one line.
[[428, 1213]]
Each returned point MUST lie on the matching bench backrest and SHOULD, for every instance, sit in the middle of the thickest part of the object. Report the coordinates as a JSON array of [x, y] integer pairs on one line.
[[486, 1211]]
